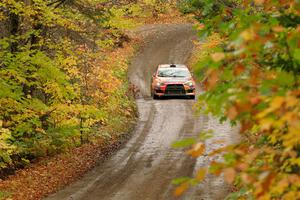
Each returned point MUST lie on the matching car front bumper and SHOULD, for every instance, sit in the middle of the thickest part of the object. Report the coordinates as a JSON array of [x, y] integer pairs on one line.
[[172, 90]]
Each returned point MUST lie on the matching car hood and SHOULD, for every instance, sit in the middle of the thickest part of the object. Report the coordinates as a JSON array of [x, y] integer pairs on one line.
[[174, 79]]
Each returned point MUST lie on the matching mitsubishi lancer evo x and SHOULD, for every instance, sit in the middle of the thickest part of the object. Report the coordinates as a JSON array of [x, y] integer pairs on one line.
[[172, 80]]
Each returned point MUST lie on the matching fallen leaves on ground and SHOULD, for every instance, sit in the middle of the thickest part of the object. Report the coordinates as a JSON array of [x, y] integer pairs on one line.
[[50, 174]]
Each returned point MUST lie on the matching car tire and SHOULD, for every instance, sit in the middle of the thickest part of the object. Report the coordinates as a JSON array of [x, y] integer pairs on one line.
[[192, 97], [155, 96]]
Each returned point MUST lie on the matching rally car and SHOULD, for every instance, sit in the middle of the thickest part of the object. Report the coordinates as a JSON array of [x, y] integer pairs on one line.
[[172, 80]]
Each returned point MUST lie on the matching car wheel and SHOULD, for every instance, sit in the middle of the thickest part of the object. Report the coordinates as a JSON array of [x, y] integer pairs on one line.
[[155, 96], [192, 97]]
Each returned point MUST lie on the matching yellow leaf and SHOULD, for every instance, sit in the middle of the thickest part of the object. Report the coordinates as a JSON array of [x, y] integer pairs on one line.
[[259, 2], [218, 56], [40, 130], [277, 102], [266, 124], [195, 42], [291, 101], [264, 113], [281, 186], [248, 34], [289, 117], [201, 174], [292, 138], [294, 180], [181, 189], [219, 141], [290, 195]]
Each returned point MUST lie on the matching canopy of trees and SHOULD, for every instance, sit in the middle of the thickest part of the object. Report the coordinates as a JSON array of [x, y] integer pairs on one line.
[[252, 79], [58, 87]]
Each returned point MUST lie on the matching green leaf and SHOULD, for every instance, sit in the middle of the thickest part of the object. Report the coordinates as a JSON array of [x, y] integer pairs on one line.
[[180, 180], [285, 79], [296, 55], [184, 143], [204, 135]]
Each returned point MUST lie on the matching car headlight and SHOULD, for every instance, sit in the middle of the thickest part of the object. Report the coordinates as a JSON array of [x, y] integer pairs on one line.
[[159, 84], [189, 83]]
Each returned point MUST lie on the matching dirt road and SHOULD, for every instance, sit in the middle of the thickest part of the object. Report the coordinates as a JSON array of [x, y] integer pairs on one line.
[[145, 166]]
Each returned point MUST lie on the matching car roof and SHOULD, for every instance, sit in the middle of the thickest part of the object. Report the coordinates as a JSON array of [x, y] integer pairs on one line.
[[172, 65]]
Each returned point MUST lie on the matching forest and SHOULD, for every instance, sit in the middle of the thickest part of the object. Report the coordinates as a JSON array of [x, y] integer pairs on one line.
[[63, 84], [249, 63], [59, 87], [63, 81]]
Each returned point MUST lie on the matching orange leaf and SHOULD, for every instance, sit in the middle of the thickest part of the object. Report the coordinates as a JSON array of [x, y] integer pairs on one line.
[[181, 189], [255, 74], [243, 106], [264, 197], [243, 166], [246, 178], [216, 168], [217, 151], [232, 113], [251, 156], [295, 92], [255, 100], [211, 79], [229, 175], [238, 69], [197, 150], [245, 125], [267, 182], [278, 29]]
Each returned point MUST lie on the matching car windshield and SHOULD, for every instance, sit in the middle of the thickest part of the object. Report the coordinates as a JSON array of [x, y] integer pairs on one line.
[[173, 72]]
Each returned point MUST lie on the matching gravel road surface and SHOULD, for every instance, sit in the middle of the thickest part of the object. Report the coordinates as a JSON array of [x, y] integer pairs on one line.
[[145, 166]]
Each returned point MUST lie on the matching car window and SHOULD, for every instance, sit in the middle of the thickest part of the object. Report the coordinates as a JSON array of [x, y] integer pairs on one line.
[[173, 72]]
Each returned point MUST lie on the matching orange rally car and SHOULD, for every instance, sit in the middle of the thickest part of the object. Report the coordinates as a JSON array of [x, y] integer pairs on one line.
[[172, 80]]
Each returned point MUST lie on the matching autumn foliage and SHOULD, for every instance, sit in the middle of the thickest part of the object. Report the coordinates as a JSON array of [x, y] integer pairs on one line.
[[251, 78], [65, 99], [61, 84]]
